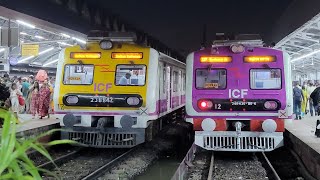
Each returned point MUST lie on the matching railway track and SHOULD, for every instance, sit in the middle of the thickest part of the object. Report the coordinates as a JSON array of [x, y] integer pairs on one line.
[[100, 171], [59, 160], [55, 152], [272, 175], [84, 163], [200, 164]]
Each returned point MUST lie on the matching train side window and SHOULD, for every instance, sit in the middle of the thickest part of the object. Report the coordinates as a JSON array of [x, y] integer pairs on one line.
[[180, 81], [265, 78], [76, 74], [175, 81], [164, 80], [213, 79], [130, 75], [184, 82]]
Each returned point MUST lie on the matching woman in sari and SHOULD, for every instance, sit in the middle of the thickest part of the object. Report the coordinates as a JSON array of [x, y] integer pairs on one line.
[[51, 86], [34, 106], [44, 100], [304, 101]]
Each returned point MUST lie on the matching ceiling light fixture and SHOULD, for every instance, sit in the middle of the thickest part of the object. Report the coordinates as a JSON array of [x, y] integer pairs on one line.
[[45, 51], [63, 43], [39, 37], [306, 55], [26, 24], [79, 40], [23, 33], [25, 59], [65, 35], [51, 62]]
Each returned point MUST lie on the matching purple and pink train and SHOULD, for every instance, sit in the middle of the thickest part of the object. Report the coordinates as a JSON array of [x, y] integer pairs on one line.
[[238, 95]]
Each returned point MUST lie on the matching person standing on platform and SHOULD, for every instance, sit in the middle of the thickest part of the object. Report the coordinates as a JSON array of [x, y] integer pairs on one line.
[[34, 106], [315, 96], [304, 101], [310, 89], [25, 90], [4, 95], [31, 79], [19, 83], [7, 80], [15, 106], [51, 87], [44, 100], [297, 98]]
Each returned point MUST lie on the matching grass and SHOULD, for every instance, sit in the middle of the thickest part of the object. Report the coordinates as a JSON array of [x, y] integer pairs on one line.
[[14, 161]]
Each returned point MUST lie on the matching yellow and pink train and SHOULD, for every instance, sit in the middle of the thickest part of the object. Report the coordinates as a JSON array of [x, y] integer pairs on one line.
[[116, 93]]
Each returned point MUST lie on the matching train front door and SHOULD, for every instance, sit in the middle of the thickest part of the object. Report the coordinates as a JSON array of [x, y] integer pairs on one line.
[[168, 85]]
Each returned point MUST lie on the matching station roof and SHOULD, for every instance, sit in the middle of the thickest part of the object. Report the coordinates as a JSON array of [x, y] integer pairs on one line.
[[303, 46], [50, 42]]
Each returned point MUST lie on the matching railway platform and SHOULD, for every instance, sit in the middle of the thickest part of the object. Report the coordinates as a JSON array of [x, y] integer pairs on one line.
[[300, 136], [33, 127]]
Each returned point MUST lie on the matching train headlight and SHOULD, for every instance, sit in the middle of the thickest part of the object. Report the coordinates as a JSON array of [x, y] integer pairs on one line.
[[72, 99], [133, 101], [208, 124], [205, 104], [105, 44], [270, 105], [269, 125], [237, 48]]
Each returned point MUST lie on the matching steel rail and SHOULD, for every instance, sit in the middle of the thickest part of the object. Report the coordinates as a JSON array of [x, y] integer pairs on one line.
[[59, 159], [211, 169], [271, 167], [99, 172]]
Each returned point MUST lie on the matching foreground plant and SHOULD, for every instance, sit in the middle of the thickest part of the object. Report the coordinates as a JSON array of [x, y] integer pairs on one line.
[[14, 161]]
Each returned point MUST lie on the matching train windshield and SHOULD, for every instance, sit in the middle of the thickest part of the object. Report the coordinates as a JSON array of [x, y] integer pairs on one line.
[[78, 74], [265, 79], [213, 79], [130, 75]]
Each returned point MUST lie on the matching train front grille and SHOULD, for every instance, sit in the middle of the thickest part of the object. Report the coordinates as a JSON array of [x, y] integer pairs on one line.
[[245, 141], [94, 139], [240, 143]]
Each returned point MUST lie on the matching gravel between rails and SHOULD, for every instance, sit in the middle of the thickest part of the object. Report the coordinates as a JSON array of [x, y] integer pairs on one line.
[[87, 161], [55, 152], [229, 166]]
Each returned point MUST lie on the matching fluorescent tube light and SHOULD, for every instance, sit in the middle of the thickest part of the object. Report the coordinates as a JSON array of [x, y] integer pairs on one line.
[[26, 24]]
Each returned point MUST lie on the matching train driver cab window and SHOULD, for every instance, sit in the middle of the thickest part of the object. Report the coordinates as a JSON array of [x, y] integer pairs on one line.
[[211, 79], [265, 78], [78, 74], [130, 75]]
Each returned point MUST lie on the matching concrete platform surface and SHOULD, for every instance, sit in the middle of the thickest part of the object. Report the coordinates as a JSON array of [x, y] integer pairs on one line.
[[27, 123], [300, 137], [304, 130]]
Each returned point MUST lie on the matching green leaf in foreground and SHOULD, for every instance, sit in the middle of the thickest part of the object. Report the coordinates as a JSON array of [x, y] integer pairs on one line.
[[14, 161]]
